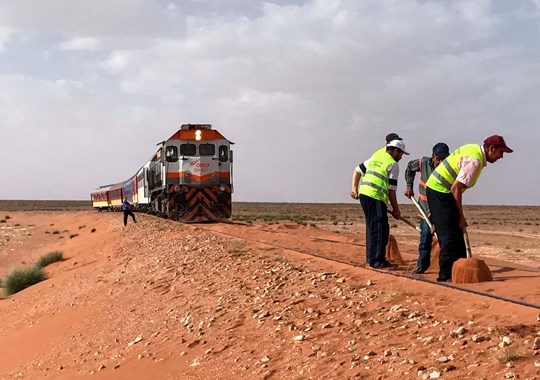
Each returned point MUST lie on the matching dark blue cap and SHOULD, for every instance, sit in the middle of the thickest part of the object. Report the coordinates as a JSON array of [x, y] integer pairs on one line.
[[441, 150]]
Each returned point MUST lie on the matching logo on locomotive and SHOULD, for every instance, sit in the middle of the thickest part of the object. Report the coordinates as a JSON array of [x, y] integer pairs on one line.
[[198, 166]]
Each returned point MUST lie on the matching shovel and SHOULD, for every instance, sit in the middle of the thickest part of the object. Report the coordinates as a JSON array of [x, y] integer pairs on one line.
[[467, 244], [424, 215], [407, 221]]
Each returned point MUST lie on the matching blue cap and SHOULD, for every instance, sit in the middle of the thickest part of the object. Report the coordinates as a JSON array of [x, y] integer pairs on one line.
[[441, 150]]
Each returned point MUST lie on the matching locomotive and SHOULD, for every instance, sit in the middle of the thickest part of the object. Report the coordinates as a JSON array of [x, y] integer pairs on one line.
[[188, 179]]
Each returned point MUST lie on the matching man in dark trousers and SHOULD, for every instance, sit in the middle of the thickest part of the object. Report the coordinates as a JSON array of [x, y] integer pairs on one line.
[[424, 165], [360, 170], [377, 188], [126, 206], [445, 187]]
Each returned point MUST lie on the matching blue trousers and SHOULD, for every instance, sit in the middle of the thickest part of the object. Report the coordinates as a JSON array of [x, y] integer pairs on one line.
[[424, 246], [377, 230]]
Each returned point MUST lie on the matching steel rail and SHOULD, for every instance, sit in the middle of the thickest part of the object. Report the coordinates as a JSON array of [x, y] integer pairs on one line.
[[400, 275]]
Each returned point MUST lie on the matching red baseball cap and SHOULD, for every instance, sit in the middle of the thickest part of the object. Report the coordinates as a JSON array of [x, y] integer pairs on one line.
[[498, 141]]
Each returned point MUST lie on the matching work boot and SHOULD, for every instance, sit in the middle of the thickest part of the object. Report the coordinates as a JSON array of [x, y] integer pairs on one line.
[[387, 264]]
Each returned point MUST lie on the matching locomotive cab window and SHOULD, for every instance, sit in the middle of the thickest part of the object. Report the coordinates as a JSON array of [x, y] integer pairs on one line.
[[223, 153], [207, 149], [188, 149], [171, 153]]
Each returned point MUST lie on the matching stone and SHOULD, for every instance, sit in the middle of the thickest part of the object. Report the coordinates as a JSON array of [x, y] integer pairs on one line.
[[505, 341], [478, 338], [443, 359]]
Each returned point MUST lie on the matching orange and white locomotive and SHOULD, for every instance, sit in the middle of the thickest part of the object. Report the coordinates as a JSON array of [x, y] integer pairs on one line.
[[189, 179]]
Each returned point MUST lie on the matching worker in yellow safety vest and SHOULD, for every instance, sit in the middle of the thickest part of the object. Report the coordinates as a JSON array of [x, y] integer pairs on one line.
[[445, 187], [377, 187]]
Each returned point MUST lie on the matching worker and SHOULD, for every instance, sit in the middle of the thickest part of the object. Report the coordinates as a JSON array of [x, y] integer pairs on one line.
[[378, 186], [445, 187], [425, 166], [360, 170]]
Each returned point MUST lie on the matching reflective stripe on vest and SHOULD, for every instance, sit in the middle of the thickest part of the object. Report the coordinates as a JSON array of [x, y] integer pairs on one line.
[[445, 174], [425, 172], [374, 183]]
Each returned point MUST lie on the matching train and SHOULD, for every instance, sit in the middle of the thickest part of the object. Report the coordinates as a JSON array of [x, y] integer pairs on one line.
[[188, 179]]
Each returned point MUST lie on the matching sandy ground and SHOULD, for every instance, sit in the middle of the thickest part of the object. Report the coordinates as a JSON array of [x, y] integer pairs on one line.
[[162, 300]]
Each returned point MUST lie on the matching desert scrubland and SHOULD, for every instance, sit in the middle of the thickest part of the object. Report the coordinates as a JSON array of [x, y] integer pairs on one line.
[[260, 298]]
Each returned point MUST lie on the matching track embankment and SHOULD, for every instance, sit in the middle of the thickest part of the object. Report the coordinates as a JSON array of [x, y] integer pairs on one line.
[[158, 299]]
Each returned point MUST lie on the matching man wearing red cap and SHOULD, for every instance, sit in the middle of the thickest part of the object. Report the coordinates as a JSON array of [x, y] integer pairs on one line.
[[459, 171]]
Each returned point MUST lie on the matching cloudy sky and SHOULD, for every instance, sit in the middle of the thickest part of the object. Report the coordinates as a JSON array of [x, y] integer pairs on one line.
[[306, 89]]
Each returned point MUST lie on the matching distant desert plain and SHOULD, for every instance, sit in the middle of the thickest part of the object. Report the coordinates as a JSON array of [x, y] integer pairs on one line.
[[279, 292]]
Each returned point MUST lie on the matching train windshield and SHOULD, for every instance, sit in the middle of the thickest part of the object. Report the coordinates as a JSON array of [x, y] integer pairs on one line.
[[171, 153], [207, 149], [188, 150]]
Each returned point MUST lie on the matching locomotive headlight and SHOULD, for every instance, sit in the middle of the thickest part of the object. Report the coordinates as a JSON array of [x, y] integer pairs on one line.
[[222, 188], [177, 189], [198, 135]]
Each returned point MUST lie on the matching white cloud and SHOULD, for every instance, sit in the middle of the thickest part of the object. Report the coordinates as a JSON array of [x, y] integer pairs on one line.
[[80, 43], [306, 89], [5, 35], [117, 62]]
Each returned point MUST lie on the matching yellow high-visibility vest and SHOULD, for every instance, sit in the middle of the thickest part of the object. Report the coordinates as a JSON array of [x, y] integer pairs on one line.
[[374, 182], [445, 174]]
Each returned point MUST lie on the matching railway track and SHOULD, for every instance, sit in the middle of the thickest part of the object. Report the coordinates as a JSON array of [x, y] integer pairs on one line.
[[346, 252]]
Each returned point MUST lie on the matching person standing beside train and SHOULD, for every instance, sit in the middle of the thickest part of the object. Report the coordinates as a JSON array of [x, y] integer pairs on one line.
[[378, 187], [126, 207], [445, 187], [424, 165]]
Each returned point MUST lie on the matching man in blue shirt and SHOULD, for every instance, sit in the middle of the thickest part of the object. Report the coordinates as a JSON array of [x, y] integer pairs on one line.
[[126, 206]]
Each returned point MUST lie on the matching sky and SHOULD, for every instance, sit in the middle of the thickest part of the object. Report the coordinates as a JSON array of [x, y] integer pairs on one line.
[[306, 89]]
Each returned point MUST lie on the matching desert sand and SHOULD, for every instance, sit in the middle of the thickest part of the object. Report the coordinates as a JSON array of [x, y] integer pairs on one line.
[[163, 300]]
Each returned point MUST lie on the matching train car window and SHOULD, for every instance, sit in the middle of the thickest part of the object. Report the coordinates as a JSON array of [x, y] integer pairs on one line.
[[207, 149], [188, 150], [171, 153], [223, 153]]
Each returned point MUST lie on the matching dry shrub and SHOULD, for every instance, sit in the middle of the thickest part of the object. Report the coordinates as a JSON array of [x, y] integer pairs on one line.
[[49, 258], [19, 279], [509, 356]]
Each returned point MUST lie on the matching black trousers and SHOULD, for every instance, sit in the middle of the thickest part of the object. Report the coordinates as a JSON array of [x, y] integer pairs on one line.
[[377, 230], [126, 214], [445, 218]]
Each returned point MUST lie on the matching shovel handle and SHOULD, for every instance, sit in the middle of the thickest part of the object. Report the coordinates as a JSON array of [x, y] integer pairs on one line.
[[467, 244], [422, 212], [407, 221], [424, 215]]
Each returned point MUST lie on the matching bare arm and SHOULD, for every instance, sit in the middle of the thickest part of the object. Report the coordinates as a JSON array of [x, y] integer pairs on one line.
[[457, 191], [396, 213], [354, 184]]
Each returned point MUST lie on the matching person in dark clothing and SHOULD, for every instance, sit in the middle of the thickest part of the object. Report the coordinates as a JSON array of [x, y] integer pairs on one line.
[[445, 187], [126, 207], [424, 165]]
